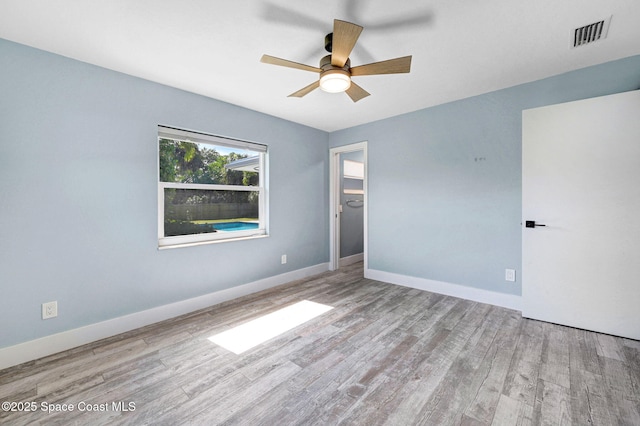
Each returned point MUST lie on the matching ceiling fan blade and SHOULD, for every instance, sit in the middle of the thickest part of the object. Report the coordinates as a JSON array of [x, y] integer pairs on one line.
[[356, 92], [416, 19], [305, 90], [290, 64], [286, 16], [391, 66], [345, 35]]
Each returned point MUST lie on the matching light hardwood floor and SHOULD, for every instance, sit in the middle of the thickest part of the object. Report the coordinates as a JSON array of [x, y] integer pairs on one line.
[[384, 355]]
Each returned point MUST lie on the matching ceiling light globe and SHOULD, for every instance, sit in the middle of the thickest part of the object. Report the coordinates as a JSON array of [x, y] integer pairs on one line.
[[335, 81]]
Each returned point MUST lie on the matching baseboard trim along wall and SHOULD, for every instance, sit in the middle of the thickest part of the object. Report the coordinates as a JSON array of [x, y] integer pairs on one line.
[[509, 301], [350, 260], [49, 345]]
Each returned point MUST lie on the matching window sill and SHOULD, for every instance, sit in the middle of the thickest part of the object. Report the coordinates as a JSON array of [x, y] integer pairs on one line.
[[202, 243]]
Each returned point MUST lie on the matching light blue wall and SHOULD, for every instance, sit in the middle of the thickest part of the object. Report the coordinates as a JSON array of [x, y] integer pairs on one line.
[[445, 182], [78, 191]]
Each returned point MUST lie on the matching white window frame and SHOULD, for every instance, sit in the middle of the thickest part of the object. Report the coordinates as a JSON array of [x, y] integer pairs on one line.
[[165, 132]]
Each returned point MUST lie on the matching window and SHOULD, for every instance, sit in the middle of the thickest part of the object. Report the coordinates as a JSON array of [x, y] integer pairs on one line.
[[210, 188]]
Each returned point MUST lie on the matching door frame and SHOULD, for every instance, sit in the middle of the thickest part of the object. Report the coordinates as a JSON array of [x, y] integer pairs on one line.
[[334, 202]]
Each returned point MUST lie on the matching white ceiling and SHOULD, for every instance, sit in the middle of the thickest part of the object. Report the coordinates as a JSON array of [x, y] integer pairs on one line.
[[213, 47]]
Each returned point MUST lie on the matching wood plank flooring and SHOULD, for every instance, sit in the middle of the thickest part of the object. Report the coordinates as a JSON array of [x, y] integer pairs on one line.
[[385, 355]]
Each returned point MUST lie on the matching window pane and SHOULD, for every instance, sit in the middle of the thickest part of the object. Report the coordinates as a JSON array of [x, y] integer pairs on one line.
[[199, 211], [198, 200], [190, 162]]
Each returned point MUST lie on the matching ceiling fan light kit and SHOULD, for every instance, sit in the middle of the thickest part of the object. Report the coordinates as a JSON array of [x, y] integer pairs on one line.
[[335, 69], [332, 78], [335, 81]]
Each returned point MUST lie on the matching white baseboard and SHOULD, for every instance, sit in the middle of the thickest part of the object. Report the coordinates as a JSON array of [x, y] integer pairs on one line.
[[49, 345], [349, 260], [510, 301]]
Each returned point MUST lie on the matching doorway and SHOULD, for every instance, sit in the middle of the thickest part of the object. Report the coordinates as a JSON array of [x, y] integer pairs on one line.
[[348, 205]]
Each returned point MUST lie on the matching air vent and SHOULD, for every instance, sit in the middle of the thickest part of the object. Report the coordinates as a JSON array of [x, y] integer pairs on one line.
[[590, 33]]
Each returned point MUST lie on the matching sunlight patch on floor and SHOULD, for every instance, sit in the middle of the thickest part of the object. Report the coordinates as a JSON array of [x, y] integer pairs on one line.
[[259, 330]]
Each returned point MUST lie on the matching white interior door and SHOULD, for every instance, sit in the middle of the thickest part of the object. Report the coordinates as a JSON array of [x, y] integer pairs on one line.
[[581, 179]]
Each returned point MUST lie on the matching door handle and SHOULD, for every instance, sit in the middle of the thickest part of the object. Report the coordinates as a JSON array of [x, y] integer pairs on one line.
[[532, 224]]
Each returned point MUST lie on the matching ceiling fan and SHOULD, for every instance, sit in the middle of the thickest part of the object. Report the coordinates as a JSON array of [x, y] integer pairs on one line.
[[335, 69]]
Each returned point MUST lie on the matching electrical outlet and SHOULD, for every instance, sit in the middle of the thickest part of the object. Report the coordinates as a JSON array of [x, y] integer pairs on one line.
[[510, 275], [49, 310], [283, 259]]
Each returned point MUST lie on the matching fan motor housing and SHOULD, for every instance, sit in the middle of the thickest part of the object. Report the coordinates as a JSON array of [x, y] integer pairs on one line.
[[325, 64]]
